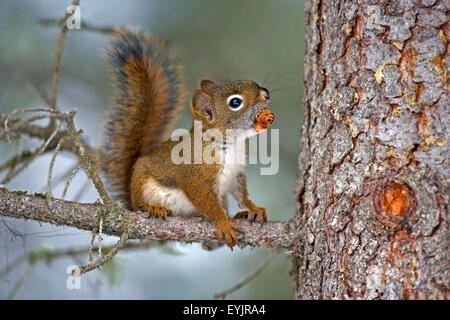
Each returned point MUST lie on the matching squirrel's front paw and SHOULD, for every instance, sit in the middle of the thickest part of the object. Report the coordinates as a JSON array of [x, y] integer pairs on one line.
[[256, 214], [156, 211], [226, 227]]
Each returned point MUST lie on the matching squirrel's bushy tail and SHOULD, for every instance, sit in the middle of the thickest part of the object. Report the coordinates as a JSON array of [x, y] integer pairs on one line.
[[147, 96]]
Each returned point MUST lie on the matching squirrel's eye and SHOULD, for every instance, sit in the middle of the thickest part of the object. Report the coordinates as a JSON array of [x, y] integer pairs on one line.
[[235, 102]]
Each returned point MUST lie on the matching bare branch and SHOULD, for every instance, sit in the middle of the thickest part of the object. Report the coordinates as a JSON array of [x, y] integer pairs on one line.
[[34, 155], [24, 127], [50, 169], [102, 260], [86, 217], [35, 255], [57, 61], [69, 180], [25, 122], [19, 283], [86, 159]]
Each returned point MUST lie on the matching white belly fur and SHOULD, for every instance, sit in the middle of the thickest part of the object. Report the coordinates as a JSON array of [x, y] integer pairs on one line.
[[173, 199], [176, 200], [233, 165]]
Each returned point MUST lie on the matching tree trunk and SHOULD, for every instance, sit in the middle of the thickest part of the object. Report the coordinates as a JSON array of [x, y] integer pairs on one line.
[[373, 193]]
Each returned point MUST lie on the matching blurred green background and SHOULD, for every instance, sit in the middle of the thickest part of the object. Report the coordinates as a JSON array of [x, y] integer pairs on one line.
[[259, 40]]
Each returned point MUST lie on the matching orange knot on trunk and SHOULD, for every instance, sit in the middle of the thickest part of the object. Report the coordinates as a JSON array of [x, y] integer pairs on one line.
[[395, 203], [264, 119], [395, 200]]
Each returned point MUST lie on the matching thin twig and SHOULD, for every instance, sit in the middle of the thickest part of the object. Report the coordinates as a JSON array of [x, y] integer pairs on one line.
[[57, 60], [100, 237], [37, 153], [69, 180], [87, 160], [91, 246], [50, 170], [24, 110], [41, 150], [23, 126], [34, 131], [44, 146], [101, 261], [222, 295], [19, 283], [62, 253], [60, 177]]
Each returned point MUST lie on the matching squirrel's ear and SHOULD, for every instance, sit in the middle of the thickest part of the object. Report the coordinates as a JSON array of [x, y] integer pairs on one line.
[[202, 105], [206, 84]]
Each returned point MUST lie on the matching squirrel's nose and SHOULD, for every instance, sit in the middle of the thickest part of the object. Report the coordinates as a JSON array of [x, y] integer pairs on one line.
[[264, 94]]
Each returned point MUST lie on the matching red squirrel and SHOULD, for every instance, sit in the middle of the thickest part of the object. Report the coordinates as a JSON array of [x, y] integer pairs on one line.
[[138, 161]]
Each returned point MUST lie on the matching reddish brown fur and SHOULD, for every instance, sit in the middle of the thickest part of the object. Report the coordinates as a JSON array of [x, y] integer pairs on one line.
[[147, 106], [146, 112]]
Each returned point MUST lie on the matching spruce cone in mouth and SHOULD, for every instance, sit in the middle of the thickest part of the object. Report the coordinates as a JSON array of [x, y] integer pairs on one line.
[[264, 119]]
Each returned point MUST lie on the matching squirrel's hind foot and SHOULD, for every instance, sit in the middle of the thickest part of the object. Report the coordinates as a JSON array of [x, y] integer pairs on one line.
[[156, 211]]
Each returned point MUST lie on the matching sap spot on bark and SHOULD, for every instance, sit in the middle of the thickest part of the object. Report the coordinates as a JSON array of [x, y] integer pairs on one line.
[[381, 54]]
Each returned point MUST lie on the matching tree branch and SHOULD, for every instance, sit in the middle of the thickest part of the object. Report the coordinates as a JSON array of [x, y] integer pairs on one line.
[[21, 127], [58, 56], [28, 206]]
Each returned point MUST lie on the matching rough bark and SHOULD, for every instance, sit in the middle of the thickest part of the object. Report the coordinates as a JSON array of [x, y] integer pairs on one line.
[[29, 206], [373, 194]]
